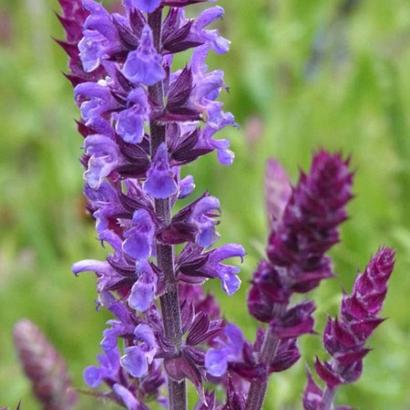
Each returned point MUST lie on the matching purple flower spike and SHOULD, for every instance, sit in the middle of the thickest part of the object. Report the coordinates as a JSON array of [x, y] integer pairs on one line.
[[144, 64], [344, 338], [142, 119], [146, 6], [139, 238], [160, 181], [143, 291], [217, 359]]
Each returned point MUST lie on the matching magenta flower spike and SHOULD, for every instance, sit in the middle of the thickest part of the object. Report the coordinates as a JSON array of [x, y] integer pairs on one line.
[[303, 230], [345, 337]]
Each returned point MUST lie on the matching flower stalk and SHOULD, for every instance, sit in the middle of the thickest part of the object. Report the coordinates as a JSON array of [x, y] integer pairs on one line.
[[170, 308]]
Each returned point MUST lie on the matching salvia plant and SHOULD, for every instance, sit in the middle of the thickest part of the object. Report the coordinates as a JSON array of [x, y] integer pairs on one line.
[[142, 120]]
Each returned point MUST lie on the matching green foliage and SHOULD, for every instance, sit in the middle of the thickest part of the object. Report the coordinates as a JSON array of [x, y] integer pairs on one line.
[[355, 99]]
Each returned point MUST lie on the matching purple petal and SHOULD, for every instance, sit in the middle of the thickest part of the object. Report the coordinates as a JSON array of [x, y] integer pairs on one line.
[[139, 238], [92, 49], [277, 191], [104, 158], [126, 397], [160, 181], [90, 265], [135, 362], [202, 216], [93, 376], [130, 126], [216, 362], [235, 340], [186, 186], [147, 342], [144, 64], [143, 291]]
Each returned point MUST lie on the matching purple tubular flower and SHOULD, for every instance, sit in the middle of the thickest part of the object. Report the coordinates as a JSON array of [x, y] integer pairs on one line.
[[143, 291], [137, 358], [212, 37], [195, 266], [144, 64], [160, 182], [130, 122], [344, 338], [142, 119], [139, 238], [230, 350], [104, 158]]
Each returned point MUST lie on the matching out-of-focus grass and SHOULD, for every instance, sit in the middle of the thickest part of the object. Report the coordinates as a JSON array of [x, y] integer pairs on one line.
[[355, 99]]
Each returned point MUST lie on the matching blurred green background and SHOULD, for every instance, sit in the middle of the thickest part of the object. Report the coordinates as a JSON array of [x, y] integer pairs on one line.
[[302, 75]]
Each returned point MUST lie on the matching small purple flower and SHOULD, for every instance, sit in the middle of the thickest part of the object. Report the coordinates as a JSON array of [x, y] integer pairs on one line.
[[104, 158], [138, 357], [143, 291], [130, 122], [211, 37], [93, 47], [99, 36], [109, 366], [227, 274], [160, 181], [230, 350], [144, 64], [139, 238], [203, 215]]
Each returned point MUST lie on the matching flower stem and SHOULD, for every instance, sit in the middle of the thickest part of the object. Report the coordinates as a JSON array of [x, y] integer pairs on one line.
[[258, 388], [170, 308]]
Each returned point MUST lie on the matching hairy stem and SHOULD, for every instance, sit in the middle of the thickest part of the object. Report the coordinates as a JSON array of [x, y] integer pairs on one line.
[[171, 314], [258, 388]]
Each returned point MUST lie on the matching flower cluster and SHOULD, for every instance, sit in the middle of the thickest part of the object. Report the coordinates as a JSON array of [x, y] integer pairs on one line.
[[304, 222], [142, 120], [345, 337]]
